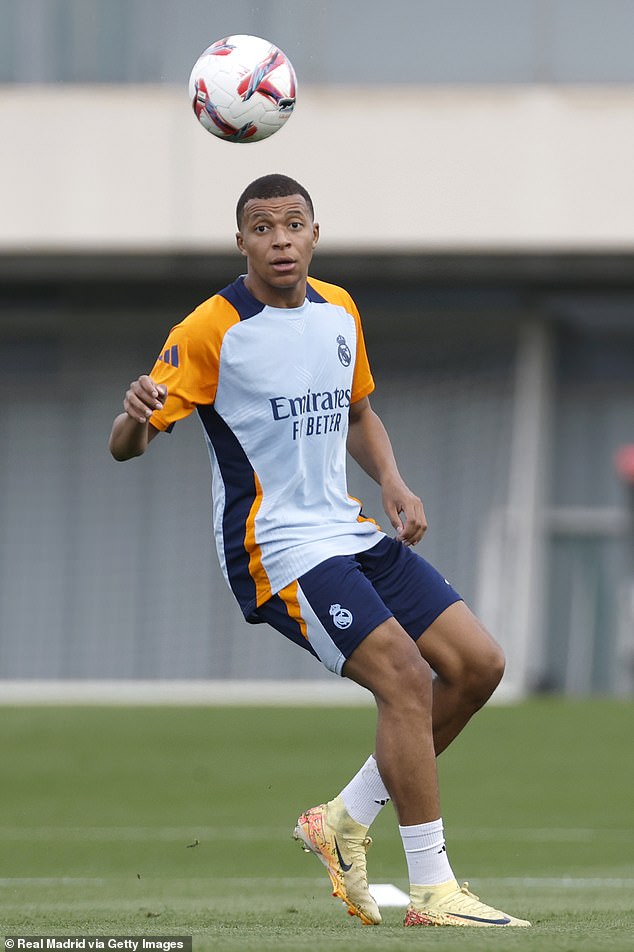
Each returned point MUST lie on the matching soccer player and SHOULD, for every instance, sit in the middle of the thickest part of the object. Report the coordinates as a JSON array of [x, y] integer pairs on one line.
[[275, 365]]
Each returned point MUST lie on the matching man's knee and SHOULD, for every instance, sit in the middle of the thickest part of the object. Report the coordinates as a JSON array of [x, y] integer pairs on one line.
[[388, 663], [464, 655], [485, 673], [478, 673]]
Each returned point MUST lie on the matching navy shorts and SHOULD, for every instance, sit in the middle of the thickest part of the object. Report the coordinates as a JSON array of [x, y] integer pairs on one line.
[[333, 607]]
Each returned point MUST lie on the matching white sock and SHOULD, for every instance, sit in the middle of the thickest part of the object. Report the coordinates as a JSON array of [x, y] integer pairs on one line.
[[365, 795], [426, 855]]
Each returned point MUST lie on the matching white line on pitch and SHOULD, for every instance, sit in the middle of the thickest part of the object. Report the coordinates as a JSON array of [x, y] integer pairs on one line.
[[556, 834], [569, 882]]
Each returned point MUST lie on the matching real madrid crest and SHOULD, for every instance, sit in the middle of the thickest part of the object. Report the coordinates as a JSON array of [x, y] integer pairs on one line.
[[343, 352], [340, 616]]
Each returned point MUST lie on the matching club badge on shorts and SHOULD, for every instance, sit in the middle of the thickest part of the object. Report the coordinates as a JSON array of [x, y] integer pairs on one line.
[[340, 616]]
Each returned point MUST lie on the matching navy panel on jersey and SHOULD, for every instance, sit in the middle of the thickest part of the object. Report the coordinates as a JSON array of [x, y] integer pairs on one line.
[[240, 492], [314, 295], [237, 294]]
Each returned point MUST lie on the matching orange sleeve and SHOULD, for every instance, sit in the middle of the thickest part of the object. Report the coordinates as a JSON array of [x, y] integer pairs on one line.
[[362, 380], [189, 360]]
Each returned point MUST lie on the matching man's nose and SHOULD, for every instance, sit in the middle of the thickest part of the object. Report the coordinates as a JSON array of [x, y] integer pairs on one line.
[[280, 237]]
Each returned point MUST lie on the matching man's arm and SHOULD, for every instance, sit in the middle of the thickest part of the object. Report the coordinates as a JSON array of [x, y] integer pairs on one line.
[[369, 444], [131, 431]]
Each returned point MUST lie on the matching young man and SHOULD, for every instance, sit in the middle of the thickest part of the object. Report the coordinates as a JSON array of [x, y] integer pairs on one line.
[[275, 364]]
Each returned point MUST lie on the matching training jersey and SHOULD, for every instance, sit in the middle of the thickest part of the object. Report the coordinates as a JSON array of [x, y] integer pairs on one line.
[[272, 387]]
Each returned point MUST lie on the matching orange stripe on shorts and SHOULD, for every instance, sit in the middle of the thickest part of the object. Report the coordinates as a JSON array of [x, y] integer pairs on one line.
[[289, 597]]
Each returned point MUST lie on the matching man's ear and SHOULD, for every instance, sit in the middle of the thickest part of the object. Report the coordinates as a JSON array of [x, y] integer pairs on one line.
[[315, 234], [240, 244]]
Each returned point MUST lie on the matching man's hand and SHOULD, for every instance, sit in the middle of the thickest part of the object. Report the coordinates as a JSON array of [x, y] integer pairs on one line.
[[370, 446], [143, 397], [405, 512], [131, 430]]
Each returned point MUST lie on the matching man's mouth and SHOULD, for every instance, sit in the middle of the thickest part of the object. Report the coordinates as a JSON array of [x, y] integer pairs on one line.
[[282, 265]]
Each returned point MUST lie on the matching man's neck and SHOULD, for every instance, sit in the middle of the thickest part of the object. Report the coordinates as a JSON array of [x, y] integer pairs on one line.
[[276, 297]]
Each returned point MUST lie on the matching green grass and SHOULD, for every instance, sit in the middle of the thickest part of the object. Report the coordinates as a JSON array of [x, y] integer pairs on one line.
[[99, 808]]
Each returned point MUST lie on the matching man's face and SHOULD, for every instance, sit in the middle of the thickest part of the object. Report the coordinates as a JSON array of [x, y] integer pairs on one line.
[[278, 236]]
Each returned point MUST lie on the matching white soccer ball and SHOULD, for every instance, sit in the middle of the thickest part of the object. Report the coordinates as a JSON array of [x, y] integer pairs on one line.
[[242, 88]]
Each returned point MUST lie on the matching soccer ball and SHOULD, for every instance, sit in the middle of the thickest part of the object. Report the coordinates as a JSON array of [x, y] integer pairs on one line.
[[242, 88]]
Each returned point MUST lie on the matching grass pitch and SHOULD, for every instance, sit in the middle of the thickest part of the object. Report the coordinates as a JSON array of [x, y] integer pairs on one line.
[[177, 821]]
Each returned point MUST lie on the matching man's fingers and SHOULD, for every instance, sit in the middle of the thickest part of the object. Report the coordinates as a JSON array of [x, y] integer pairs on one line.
[[156, 392], [143, 397], [406, 514], [394, 514], [136, 408], [413, 528], [146, 386]]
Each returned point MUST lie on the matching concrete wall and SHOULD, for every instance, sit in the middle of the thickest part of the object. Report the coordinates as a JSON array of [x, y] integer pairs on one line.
[[391, 169]]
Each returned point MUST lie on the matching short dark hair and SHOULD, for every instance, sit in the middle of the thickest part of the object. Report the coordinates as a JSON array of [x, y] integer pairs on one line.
[[272, 186]]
